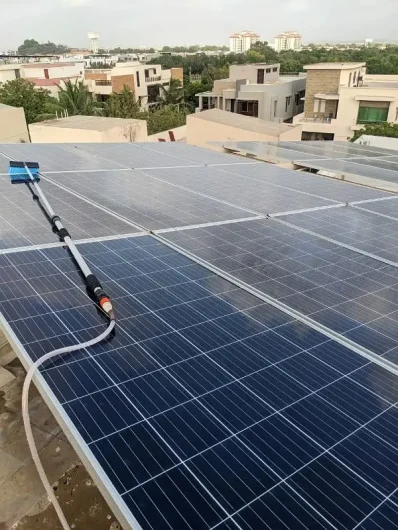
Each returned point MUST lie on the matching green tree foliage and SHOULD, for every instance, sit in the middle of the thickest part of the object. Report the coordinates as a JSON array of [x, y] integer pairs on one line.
[[123, 105], [74, 98], [377, 129], [165, 118], [22, 93], [32, 47], [172, 94], [190, 89], [131, 50], [255, 56]]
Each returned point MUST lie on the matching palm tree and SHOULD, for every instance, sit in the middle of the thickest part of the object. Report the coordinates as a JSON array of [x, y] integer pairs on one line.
[[171, 94], [74, 98]]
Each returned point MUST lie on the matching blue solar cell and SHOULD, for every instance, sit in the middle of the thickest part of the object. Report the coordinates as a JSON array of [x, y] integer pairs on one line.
[[200, 405]]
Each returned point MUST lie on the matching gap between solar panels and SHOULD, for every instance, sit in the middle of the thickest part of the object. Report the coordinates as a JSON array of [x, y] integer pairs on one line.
[[364, 352]]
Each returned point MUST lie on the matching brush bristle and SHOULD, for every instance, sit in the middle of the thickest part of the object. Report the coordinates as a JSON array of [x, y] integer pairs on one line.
[[18, 172]]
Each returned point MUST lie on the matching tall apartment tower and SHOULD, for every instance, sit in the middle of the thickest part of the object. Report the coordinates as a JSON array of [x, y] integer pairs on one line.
[[290, 40], [243, 41]]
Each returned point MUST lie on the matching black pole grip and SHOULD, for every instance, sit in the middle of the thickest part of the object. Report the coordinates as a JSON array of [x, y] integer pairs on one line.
[[93, 283]]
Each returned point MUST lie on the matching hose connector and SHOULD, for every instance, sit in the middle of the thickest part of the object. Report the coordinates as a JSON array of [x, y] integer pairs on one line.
[[100, 296]]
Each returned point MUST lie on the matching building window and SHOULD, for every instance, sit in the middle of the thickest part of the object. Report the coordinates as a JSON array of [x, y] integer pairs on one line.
[[275, 69], [268, 70], [260, 76], [248, 108], [349, 80], [322, 105], [17, 74], [275, 108], [372, 114], [138, 79], [355, 78], [287, 103]]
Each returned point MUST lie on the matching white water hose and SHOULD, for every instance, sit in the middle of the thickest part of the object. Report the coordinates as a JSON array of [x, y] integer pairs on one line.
[[26, 418]]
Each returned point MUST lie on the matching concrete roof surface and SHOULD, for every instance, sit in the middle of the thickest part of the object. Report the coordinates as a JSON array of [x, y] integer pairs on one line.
[[92, 123], [242, 122]]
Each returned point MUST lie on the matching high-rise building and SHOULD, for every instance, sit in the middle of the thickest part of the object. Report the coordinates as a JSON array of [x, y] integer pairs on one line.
[[290, 40], [243, 41]]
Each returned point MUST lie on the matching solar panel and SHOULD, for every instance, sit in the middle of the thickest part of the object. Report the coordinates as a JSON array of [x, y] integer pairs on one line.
[[301, 182], [147, 201], [344, 167], [22, 223], [62, 157], [291, 151], [198, 414], [341, 289], [355, 227], [253, 194], [165, 154], [389, 208]]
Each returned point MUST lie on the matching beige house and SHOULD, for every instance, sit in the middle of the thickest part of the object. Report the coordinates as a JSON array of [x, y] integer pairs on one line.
[[257, 90], [144, 80], [341, 98], [219, 126], [81, 129], [13, 128]]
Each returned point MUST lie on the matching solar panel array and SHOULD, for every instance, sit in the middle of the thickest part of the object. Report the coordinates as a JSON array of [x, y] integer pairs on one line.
[[250, 382], [340, 158]]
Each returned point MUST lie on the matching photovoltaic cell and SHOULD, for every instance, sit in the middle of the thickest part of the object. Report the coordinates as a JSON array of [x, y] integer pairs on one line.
[[54, 157], [146, 201], [356, 227], [339, 288], [389, 208], [224, 185], [22, 222], [189, 439], [164, 154]]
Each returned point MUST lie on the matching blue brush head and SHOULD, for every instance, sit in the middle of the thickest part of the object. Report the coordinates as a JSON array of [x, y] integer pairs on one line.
[[18, 172]]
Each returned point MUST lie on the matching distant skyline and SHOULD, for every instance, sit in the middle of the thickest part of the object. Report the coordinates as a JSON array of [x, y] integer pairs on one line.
[[187, 22]]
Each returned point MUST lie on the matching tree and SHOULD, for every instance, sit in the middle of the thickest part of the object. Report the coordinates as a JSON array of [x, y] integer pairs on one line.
[[32, 47], [190, 91], [165, 118], [22, 93], [254, 56], [171, 94], [123, 105], [389, 130], [74, 98]]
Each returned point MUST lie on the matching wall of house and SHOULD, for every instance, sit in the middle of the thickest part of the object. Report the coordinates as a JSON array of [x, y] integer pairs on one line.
[[120, 81], [177, 73], [320, 82], [249, 72], [57, 72], [267, 95], [13, 128], [135, 131], [202, 132], [7, 72]]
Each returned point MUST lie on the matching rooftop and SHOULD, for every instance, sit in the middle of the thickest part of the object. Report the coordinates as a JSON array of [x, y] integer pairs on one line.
[[243, 122], [47, 65], [49, 82], [92, 123], [333, 66]]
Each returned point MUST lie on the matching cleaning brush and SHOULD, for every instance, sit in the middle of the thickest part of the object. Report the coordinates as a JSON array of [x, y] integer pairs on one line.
[[19, 173]]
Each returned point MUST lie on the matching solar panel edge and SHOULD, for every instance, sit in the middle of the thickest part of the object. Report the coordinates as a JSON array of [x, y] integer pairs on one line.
[[82, 449], [341, 339]]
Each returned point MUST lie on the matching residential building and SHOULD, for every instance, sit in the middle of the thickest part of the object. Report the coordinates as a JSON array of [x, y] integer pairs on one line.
[[290, 40], [13, 128], [340, 99], [243, 41], [256, 90], [213, 127], [143, 80], [89, 129], [9, 72], [51, 75]]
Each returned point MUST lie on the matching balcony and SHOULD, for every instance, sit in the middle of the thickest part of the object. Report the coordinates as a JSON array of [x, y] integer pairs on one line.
[[153, 79], [103, 82], [300, 118]]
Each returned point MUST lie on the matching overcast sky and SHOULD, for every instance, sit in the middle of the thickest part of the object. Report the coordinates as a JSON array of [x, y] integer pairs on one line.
[[171, 22]]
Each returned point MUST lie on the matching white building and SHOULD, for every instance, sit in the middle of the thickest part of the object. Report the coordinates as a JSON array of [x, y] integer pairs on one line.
[[290, 40], [257, 90], [243, 41], [144, 80]]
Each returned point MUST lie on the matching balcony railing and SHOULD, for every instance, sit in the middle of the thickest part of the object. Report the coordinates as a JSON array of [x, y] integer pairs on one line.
[[153, 78], [103, 82], [322, 119]]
